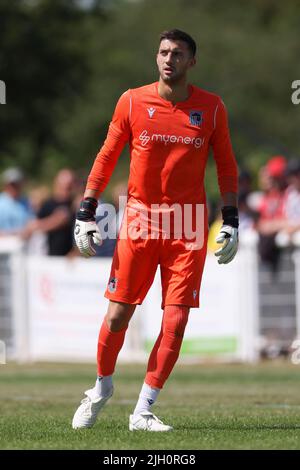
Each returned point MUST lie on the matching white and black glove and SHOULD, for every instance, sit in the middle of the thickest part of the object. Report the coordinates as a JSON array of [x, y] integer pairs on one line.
[[228, 235], [86, 231]]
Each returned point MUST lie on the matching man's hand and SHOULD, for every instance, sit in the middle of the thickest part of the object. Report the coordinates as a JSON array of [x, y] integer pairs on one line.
[[228, 235], [86, 232]]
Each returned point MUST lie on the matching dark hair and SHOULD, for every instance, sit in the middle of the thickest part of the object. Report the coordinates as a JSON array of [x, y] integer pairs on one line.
[[177, 35]]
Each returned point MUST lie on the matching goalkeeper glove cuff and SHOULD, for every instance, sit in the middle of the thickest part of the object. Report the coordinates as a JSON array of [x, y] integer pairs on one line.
[[87, 209], [230, 216]]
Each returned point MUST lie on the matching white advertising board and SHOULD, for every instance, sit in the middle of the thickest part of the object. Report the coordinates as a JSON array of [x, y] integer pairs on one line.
[[66, 307]]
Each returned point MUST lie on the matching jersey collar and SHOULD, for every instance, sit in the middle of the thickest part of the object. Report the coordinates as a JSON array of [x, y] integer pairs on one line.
[[179, 104]]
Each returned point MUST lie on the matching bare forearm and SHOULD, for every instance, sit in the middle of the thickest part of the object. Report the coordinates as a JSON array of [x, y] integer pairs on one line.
[[54, 221], [270, 227]]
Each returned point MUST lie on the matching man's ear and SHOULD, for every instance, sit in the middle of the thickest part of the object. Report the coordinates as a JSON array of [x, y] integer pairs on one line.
[[193, 62]]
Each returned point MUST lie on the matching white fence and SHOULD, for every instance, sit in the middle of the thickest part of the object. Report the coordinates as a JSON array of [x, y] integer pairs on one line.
[[53, 309]]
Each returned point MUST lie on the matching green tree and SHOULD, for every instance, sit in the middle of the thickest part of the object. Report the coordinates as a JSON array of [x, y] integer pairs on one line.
[[44, 65]]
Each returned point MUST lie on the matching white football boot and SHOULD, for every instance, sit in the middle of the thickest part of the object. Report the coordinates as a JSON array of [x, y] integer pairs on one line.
[[147, 421], [87, 412]]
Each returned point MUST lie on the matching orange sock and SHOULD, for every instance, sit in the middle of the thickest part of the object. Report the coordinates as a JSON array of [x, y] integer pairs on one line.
[[165, 352], [109, 346]]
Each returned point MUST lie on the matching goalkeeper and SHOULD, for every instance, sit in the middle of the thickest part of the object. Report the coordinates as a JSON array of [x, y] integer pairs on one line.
[[170, 126]]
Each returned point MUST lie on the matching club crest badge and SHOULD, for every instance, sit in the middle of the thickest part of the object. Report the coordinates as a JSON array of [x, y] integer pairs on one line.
[[196, 118], [112, 285]]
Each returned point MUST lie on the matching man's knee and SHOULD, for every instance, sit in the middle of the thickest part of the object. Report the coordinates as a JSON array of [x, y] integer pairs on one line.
[[175, 319], [118, 315]]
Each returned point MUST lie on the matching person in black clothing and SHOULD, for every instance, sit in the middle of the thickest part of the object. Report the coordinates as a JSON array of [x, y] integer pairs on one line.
[[56, 217]]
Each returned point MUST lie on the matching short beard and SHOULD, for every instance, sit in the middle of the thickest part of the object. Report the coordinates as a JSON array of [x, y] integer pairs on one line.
[[173, 80]]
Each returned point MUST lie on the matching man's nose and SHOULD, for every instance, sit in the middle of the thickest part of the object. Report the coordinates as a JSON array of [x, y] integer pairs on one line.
[[170, 57]]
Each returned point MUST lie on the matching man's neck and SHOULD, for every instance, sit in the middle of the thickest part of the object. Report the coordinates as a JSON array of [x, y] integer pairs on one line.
[[173, 92]]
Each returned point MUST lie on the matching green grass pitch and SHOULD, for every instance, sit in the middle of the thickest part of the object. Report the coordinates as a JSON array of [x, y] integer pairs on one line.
[[209, 406]]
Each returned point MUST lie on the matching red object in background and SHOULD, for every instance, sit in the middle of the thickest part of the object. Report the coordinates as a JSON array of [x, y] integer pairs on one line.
[[272, 205], [276, 166]]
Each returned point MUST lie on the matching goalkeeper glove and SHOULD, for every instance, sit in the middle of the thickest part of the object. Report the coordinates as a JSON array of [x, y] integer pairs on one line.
[[86, 231], [228, 235]]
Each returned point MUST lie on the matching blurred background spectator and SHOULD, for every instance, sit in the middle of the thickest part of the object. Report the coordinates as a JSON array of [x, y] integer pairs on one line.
[[290, 232], [37, 243], [55, 217], [15, 210], [271, 209]]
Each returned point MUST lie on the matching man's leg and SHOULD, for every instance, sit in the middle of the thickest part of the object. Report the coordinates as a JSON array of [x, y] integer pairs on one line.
[[110, 342], [166, 350], [132, 272], [181, 266], [161, 362]]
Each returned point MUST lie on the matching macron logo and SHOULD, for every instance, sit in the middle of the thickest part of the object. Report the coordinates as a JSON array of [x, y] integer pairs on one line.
[[170, 139], [151, 111]]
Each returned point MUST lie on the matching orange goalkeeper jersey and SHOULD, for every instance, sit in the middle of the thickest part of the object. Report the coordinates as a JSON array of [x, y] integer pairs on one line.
[[169, 146]]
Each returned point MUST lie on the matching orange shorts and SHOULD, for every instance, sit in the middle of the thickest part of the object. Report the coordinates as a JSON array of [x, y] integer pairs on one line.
[[135, 262]]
